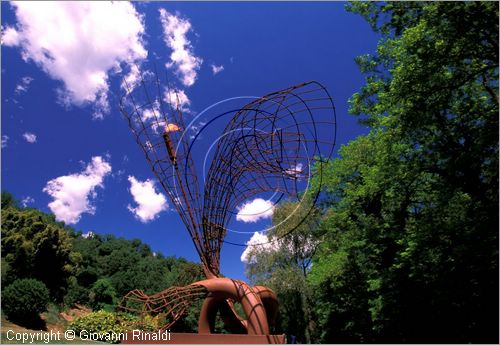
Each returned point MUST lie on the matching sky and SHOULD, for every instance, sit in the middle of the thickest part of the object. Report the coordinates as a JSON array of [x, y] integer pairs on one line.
[[67, 149]]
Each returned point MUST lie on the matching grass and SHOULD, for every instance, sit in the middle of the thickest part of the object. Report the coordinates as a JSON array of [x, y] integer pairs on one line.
[[52, 317], [53, 322]]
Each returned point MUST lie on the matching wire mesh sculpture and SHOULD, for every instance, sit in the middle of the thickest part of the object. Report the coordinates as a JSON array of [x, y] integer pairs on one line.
[[269, 145]]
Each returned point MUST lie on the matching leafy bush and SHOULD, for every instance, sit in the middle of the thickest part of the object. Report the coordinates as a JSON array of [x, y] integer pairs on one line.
[[145, 323], [75, 293], [102, 295], [24, 300], [107, 323], [101, 322]]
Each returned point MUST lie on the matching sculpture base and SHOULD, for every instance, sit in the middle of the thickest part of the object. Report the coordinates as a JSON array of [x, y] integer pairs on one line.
[[200, 338]]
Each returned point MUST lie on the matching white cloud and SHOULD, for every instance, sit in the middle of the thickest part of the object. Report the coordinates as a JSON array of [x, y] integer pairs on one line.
[[257, 243], [184, 61], [5, 139], [217, 69], [150, 203], [10, 37], [30, 137], [195, 130], [23, 85], [177, 98], [260, 243], [152, 112], [72, 193], [78, 43], [26, 201], [255, 210], [132, 79], [295, 170], [152, 116]]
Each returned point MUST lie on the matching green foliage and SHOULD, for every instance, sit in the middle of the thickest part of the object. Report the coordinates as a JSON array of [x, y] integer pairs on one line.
[[8, 200], [109, 325], [52, 316], [34, 246], [189, 322], [104, 323], [96, 271], [410, 243], [102, 295], [24, 300], [284, 263], [293, 240], [129, 265], [76, 293]]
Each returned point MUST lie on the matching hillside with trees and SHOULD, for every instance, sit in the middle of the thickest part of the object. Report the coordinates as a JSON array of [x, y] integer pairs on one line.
[[65, 267]]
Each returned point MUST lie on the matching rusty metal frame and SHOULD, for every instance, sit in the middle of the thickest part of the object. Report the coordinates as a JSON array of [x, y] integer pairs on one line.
[[260, 150]]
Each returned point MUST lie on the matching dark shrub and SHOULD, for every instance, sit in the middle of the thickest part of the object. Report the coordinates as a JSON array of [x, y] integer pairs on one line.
[[24, 300]]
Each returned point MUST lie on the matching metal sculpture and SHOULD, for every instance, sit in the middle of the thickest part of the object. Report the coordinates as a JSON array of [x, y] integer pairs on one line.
[[269, 145]]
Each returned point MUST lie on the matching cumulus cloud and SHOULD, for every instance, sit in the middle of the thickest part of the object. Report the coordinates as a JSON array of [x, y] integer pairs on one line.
[[257, 243], [255, 210], [182, 58], [217, 69], [29, 137], [73, 193], [10, 37], [132, 79], [177, 98], [152, 112], [26, 201], [152, 116], [260, 243], [5, 139], [149, 202], [23, 85], [78, 43]]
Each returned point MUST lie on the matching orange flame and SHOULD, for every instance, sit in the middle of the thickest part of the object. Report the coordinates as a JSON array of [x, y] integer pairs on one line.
[[172, 127]]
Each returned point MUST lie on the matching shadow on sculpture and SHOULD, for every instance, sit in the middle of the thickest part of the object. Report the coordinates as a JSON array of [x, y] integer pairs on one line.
[[272, 144]]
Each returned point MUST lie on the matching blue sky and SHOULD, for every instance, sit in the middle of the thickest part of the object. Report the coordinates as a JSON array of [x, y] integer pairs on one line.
[[60, 82]]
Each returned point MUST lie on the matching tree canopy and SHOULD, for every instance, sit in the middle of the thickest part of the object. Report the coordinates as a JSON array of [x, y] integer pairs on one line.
[[409, 225], [414, 227]]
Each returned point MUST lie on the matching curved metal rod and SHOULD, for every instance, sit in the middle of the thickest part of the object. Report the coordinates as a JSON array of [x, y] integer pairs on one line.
[[221, 289]]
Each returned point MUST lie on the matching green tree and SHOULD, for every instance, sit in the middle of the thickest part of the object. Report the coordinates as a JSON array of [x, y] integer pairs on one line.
[[410, 250], [102, 295], [116, 266], [24, 300], [369, 187], [282, 262], [8, 200], [36, 247], [93, 270]]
